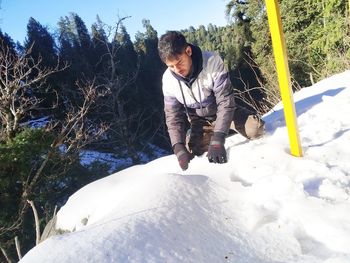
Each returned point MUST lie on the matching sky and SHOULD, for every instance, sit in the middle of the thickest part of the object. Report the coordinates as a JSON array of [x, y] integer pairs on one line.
[[163, 14], [263, 206]]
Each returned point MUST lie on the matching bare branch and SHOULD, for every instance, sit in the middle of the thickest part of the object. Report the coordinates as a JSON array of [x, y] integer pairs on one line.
[[5, 255], [36, 218], [18, 248], [20, 77]]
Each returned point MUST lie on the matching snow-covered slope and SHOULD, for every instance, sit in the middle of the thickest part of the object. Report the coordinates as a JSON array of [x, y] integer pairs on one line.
[[264, 205]]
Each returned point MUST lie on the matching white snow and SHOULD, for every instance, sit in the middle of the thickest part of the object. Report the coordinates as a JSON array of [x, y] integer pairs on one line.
[[116, 163], [264, 205]]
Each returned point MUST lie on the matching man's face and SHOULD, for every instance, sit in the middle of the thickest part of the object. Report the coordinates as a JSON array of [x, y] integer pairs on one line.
[[182, 63]]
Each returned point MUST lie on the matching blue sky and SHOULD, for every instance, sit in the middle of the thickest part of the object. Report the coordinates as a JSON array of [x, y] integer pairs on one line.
[[163, 14]]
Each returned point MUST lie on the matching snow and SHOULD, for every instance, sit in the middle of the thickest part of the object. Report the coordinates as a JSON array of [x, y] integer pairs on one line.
[[116, 163], [264, 205]]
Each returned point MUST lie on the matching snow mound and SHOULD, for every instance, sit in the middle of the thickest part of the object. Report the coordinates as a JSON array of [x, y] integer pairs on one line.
[[264, 205]]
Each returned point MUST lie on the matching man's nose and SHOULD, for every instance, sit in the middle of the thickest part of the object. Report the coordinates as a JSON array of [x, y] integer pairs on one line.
[[177, 69]]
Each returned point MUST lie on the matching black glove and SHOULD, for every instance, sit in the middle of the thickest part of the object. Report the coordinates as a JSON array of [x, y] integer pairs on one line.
[[216, 150], [183, 155]]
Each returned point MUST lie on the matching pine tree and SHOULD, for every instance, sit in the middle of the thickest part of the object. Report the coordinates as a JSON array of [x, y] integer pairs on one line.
[[41, 43], [100, 44], [315, 32], [43, 49], [82, 45], [150, 80]]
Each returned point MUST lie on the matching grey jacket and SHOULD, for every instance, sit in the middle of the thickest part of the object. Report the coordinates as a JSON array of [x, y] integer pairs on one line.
[[208, 95]]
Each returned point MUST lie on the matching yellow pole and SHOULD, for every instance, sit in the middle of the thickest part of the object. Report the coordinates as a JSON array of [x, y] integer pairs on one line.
[[280, 53]]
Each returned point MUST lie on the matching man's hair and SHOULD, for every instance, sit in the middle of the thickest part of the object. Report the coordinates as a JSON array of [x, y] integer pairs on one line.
[[171, 44]]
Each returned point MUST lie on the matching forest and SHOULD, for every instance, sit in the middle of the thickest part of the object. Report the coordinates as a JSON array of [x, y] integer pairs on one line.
[[95, 89]]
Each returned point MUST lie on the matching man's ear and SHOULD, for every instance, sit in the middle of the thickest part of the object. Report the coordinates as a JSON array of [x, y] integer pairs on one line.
[[188, 50]]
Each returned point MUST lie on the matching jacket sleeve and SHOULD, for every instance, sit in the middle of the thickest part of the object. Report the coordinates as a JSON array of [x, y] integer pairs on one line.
[[175, 116], [224, 96]]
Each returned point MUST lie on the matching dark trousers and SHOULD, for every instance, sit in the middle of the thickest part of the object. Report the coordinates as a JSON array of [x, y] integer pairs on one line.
[[244, 122]]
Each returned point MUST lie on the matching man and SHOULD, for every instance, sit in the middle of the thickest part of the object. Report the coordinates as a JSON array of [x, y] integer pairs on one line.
[[196, 85]]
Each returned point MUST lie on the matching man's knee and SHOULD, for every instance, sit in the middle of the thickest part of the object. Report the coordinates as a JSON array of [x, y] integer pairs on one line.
[[248, 124], [254, 127]]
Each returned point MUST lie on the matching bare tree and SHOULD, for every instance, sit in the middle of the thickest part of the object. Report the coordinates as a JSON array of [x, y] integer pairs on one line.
[[126, 127], [270, 98], [20, 77], [73, 134]]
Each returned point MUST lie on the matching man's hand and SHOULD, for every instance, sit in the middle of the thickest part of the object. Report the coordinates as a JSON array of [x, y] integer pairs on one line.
[[216, 150], [183, 155]]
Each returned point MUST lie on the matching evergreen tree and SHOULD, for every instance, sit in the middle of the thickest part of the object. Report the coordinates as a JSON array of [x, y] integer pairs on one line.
[[65, 38], [82, 45], [42, 49], [127, 55], [8, 43], [100, 44], [41, 42], [150, 82], [75, 48], [316, 37]]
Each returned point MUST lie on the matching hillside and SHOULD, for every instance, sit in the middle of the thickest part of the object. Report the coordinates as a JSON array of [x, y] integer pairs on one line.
[[264, 205]]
